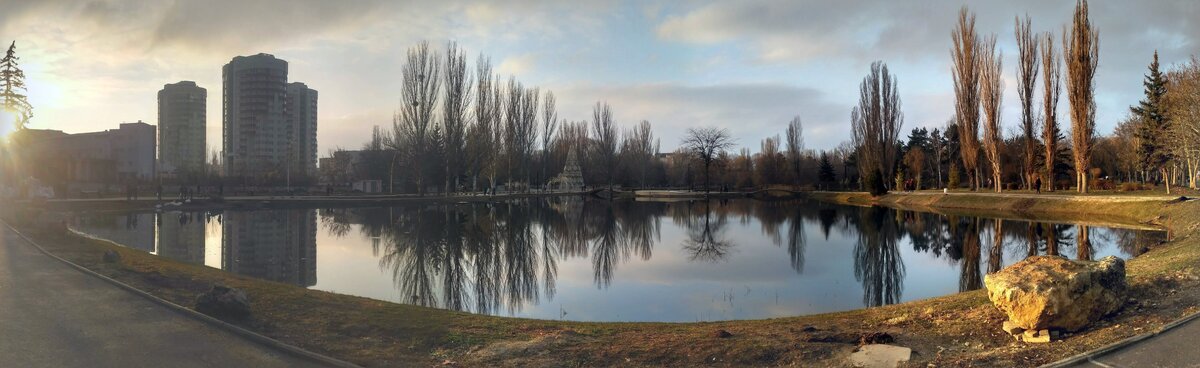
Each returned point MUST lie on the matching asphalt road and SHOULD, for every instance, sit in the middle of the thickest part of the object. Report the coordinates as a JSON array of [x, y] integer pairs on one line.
[[1174, 348], [52, 315]]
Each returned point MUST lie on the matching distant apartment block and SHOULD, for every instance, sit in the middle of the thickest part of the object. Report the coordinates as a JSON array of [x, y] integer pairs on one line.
[[113, 156], [268, 126], [302, 110], [181, 128]]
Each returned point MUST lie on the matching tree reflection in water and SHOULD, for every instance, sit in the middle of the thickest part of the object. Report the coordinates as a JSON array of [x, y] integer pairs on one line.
[[970, 277], [706, 238], [494, 257], [877, 263]]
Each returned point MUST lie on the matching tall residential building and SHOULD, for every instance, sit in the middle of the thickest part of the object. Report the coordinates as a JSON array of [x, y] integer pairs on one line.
[[268, 126], [302, 110], [255, 125], [181, 128]]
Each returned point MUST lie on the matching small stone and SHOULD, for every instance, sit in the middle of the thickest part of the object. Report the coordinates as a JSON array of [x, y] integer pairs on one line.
[[111, 256], [1036, 336], [1011, 328], [808, 329], [224, 302], [721, 334]]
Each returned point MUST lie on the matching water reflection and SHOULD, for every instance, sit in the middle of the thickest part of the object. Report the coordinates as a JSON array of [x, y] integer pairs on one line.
[[614, 260], [877, 263], [706, 239]]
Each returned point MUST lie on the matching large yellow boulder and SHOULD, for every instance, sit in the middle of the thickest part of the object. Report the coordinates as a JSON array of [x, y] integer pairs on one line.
[[1051, 292]]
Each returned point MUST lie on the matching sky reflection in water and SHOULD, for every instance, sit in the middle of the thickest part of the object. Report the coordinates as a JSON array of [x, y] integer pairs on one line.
[[595, 260]]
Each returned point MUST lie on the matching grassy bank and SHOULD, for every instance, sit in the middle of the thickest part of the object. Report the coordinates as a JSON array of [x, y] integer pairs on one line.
[[959, 329]]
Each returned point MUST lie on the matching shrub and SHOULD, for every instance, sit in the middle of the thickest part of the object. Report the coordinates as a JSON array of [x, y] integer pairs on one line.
[[874, 183]]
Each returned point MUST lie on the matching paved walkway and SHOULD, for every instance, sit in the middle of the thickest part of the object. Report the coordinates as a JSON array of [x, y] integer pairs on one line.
[[1071, 196], [52, 315], [1174, 348]]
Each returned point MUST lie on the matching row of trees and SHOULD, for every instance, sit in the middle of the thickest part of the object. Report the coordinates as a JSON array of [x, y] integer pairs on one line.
[[978, 86], [463, 130], [457, 130]]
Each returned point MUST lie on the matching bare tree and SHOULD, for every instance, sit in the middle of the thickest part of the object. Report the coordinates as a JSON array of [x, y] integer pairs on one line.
[[499, 140], [1052, 87], [520, 127], [991, 93], [529, 125], [549, 128], [1081, 53], [604, 132], [876, 123], [707, 144], [481, 145], [938, 144], [965, 55], [454, 113], [795, 145], [1183, 108], [1027, 71], [640, 146], [413, 126]]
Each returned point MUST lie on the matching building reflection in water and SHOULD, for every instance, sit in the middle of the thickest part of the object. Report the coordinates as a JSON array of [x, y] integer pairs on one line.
[[181, 236], [273, 245], [276, 245], [503, 257]]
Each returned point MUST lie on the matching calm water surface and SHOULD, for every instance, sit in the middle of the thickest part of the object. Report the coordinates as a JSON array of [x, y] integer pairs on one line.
[[596, 260]]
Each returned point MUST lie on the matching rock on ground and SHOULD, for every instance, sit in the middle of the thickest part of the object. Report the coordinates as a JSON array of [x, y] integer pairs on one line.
[[224, 302], [111, 256], [880, 356], [1051, 292]]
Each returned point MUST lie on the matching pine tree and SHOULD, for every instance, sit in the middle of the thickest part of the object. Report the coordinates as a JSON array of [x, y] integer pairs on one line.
[[1151, 110], [826, 174], [12, 86]]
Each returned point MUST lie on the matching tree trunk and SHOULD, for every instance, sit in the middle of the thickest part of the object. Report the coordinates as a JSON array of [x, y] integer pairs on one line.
[[1166, 183]]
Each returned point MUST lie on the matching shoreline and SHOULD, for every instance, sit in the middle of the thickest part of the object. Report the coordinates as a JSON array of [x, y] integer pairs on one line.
[[955, 329]]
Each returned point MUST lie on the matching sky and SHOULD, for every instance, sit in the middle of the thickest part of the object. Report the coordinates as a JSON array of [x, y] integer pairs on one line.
[[747, 66]]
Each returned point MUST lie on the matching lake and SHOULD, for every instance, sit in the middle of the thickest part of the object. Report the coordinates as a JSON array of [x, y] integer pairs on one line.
[[596, 260]]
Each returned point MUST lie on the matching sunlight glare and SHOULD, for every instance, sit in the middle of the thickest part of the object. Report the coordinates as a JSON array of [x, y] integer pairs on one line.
[[7, 123]]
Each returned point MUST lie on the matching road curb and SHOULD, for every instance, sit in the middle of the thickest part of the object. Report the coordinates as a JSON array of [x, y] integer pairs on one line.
[[1089, 355], [251, 335]]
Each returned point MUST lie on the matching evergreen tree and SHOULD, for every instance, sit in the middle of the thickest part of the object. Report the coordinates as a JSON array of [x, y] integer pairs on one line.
[[826, 174], [1152, 111], [12, 86], [918, 138]]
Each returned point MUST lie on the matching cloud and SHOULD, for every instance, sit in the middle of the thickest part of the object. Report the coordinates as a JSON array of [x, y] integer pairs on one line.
[[914, 36], [516, 65]]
